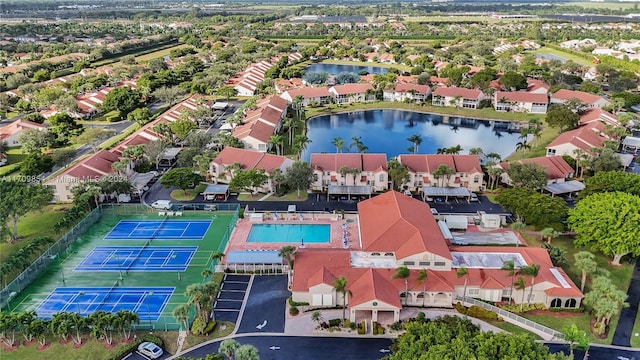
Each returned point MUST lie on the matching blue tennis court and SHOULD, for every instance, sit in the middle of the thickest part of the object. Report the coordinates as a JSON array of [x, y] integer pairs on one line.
[[159, 230], [138, 258], [147, 302]]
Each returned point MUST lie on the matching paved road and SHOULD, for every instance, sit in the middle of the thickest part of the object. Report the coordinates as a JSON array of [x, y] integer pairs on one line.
[[307, 348], [229, 301], [598, 352], [622, 336]]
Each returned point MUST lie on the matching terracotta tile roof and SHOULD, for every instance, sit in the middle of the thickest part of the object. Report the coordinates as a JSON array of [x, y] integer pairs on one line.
[[586, 98], [312, 266], [555, 166], [428, 163], [258, 130], [347, 89], [584, 137], [18, 126], [393, 222], [372, 285], [596, 114], [522, 97], [93, 167], [457, 91], [363, 162], [404, 87], [535, 84], [250, 159], [309, 92], [278, 103]]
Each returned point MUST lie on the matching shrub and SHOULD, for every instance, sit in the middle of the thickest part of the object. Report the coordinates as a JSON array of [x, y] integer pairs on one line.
[[461, 308], [352, 326], [346, 323], [296, 303], [241, 214], [360, 331], [397, 326], [481, 313], [210, 327], [380, 329], [421, 317], [127, 349], [293, 310], [335, 322], [198, 326]]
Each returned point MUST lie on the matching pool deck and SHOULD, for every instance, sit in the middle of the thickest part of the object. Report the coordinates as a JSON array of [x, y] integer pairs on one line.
[[240, 234]]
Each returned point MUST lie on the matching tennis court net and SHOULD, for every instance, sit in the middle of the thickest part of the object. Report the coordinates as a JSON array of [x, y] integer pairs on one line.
[[147, 243], [104, 299]]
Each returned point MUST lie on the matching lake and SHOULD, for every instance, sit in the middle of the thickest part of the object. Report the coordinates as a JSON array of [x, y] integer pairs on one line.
[[334, 69], [386, 131]]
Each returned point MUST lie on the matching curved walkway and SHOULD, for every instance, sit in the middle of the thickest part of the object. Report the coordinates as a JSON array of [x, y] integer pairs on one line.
[[622, 336]]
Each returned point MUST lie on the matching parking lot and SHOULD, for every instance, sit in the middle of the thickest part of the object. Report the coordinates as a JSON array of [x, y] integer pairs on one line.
[[266, 306], [229, 302]]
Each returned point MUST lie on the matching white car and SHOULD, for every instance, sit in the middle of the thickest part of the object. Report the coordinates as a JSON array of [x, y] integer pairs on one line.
[[150, 350], [474, 197]]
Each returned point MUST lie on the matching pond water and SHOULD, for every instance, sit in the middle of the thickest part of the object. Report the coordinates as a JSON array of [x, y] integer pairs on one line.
[[386, 131], [550, 57], [334, 69]]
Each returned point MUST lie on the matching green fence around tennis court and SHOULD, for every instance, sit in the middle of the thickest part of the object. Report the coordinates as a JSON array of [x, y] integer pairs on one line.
[[54, 259]]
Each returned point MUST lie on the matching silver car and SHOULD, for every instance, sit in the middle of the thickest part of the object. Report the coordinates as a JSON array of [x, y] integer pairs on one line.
[[150, 350]]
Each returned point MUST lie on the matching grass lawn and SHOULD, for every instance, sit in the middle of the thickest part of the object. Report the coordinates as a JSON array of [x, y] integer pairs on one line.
[[35, 224], [171, 337], [565, 55], [362, 63], [108, 144], [620, 276], [14, 158], [159, 53], [635, 339], [189, 194], [509, 327], [538, 145]]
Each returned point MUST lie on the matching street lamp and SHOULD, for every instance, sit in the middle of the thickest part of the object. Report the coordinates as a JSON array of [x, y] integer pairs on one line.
[[81, 293], [147, 295]]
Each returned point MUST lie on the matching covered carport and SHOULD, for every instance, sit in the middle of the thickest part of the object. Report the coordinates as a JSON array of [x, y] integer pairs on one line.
[[216, 192], [256, 261], [169, 157], [625, 159], [139, 181], [567, 187], [631, 144], [349, 192], [446, 192]]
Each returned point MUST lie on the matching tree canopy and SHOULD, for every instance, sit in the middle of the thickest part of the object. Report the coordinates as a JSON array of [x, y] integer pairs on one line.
[[562, 117], [124, 99], [527, 175], [539, 209], [182, 178], [608, 222], [18, 198], [299, 176], [451, 337], [611, 181]]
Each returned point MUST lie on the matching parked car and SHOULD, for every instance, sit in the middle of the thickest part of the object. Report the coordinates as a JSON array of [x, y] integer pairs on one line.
[[474, 197], [434, 211], [161, 204], [408, 193], [150, 350]]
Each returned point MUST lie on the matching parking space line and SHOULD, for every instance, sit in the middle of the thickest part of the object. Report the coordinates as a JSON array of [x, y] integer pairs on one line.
[[244, 304]]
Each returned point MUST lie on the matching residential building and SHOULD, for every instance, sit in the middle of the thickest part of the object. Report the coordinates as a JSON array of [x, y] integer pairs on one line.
[[248, 160], [408, 92], [421, 167], [261, 123], [595, 114], [11, 133], [246, 82], [589, 100], [458, 97], [582, 139], [557, 169], [317, 95], [358, 169], [350, 93], [535, 86], [397, 230], [519, 101]]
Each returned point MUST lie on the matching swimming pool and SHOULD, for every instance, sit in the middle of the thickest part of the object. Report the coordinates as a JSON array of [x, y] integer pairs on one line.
[[289, 233]]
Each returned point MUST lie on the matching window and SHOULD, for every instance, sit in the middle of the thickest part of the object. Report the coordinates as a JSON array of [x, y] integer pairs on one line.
[[551, 152], [476, 178], [439, 263], [409, 263], [506, 293], [425, 263], [473, 292], [388, 254], [381, 177], [375, 254], [315, 177]]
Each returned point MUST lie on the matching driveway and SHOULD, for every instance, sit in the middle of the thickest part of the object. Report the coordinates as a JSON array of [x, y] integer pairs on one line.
[[266, 306], [229, 302], [622, 336]]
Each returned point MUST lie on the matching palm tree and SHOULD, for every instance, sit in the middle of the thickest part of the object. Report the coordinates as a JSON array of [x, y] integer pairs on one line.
[[585, 262], [316, 317], [356, 141], [531, 270], [124, 320], [462, 271], [339, 143], [355, 172], [548, 233], [206, 273], [181, 313], [422, 278], [341, 286], [521, 284], [228, 347], [217, 256], [277, 141], [443, 172], [476, 151], [288, 253], [510, 267], [522, 146], [300, 143], [291, 125], [403, 273], [416, 140]]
